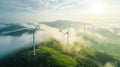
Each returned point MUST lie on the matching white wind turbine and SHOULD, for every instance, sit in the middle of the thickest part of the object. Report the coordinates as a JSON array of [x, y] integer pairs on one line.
[[33, 31], [67, 33]]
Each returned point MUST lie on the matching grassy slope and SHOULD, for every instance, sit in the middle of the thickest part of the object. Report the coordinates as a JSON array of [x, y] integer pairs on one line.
[[50, 54]]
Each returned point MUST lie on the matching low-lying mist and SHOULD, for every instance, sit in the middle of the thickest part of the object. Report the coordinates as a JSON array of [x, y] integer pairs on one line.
[[11, 44], [86, 38]]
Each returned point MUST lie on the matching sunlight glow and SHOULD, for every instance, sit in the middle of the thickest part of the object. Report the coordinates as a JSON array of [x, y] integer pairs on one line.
[[97, 8]]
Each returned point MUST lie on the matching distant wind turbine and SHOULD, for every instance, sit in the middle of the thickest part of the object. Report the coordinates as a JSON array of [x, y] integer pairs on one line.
[[67, 33]]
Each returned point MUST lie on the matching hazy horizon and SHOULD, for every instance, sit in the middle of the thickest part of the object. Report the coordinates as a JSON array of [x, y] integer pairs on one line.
[[100, 11]]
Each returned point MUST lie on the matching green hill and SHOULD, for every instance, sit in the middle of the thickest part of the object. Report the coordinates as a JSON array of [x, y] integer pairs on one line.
[[52, 54]]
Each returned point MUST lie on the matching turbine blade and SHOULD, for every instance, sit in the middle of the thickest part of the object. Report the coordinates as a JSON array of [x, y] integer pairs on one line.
[[13, 31], [38, 26]]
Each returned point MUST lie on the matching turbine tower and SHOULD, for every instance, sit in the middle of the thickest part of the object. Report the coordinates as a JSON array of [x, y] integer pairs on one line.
[[34, 30], [67, 33]]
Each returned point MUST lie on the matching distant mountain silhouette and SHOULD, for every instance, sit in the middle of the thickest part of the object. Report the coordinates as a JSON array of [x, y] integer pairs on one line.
[[62, 24], [13, 29]]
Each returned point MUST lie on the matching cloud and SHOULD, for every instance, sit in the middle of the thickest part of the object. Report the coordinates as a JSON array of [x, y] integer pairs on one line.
[[29, 10], [58, 9], [9, 44], [32, 5], [16, 5], [27, 5]]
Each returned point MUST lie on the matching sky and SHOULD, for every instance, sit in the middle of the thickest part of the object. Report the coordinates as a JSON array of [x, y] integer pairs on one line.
[[100, 11]]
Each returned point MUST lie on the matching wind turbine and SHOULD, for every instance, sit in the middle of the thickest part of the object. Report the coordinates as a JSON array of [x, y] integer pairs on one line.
[[67, 33], [34, 30]]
